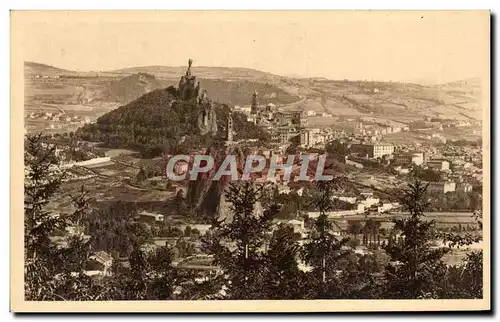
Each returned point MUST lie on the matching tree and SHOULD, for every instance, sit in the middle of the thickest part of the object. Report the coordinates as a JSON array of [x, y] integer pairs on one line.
[[371, 229], [429, 175], [187, 231], [51, 272], [324, 250], [465, 281], [354, 228], [416, 269], [141, 175], [180, 201], [283, 280], [151, 276], [42, 179], [353, 243], [243, 265], [337, 149], [195, 233]]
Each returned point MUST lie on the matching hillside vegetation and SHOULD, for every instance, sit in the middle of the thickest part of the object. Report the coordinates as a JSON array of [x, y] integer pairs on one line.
[[157, 122]]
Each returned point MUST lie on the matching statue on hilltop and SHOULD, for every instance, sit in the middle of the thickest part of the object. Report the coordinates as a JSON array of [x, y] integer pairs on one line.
[[187, 85], [189, 89]]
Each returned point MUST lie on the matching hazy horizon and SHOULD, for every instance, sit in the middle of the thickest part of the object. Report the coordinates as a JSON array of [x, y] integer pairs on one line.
[[418, 47], [279, 75]]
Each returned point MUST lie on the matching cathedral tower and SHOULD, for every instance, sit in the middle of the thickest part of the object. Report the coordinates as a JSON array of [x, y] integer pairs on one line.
[[230, 127], [255, 103]]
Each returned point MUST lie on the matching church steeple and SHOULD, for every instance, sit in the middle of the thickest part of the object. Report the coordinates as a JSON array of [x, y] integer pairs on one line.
[[229, 127], [255, 103]]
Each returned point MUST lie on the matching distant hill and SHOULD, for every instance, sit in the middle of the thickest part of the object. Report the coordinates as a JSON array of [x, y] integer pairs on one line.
[[33, 69], [400, 102], [390, 100], [166, 72], [226, 85], [173, 72], [129, 88], [470, 83]]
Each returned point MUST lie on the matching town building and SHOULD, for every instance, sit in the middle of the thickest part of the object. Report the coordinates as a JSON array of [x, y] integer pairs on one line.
[[243, 109], [311, 137], [370, 201], [464, 187], [101, 262], [373, 150], [339, 228], [349, 199], [284, 134], [270, 107], [202, 228], [441, 187], [366, 193], [384, 206], [438, 164], [150, 218], [289, 118], [408, 158], [297, 225]]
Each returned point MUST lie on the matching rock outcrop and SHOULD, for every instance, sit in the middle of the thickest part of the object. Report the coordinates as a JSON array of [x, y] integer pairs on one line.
[[207, 119], [190, 89]]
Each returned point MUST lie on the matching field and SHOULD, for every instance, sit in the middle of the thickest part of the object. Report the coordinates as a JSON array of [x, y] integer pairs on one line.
[[114, 181], [391, 101]]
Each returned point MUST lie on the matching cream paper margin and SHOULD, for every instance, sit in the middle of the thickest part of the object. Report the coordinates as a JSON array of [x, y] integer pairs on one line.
[[17, 304]]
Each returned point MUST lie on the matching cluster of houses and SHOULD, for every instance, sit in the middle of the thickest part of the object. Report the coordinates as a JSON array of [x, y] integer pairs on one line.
[[285, 126], [60, 116], [457, 169], [311, 113], [38, 76], [362, 129]]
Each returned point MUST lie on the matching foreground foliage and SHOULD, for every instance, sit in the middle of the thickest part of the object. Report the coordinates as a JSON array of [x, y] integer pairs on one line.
[[254, 256]]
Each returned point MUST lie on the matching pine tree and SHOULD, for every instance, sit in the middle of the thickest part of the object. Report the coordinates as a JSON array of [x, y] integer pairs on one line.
[[141, 175], [354, 228], [283, 280], [324, 249], [237, 246], [465, 281], [150, 276], [51, 272], [416, 269]]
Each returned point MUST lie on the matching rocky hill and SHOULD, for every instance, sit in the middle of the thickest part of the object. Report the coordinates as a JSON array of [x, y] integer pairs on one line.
[[168, 119], [205, 195]]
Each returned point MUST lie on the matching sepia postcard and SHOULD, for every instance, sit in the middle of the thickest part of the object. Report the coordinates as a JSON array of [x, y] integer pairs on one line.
[[250, 161]]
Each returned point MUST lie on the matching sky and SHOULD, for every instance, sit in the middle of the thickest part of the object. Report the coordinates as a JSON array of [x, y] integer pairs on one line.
[[425, 47]]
